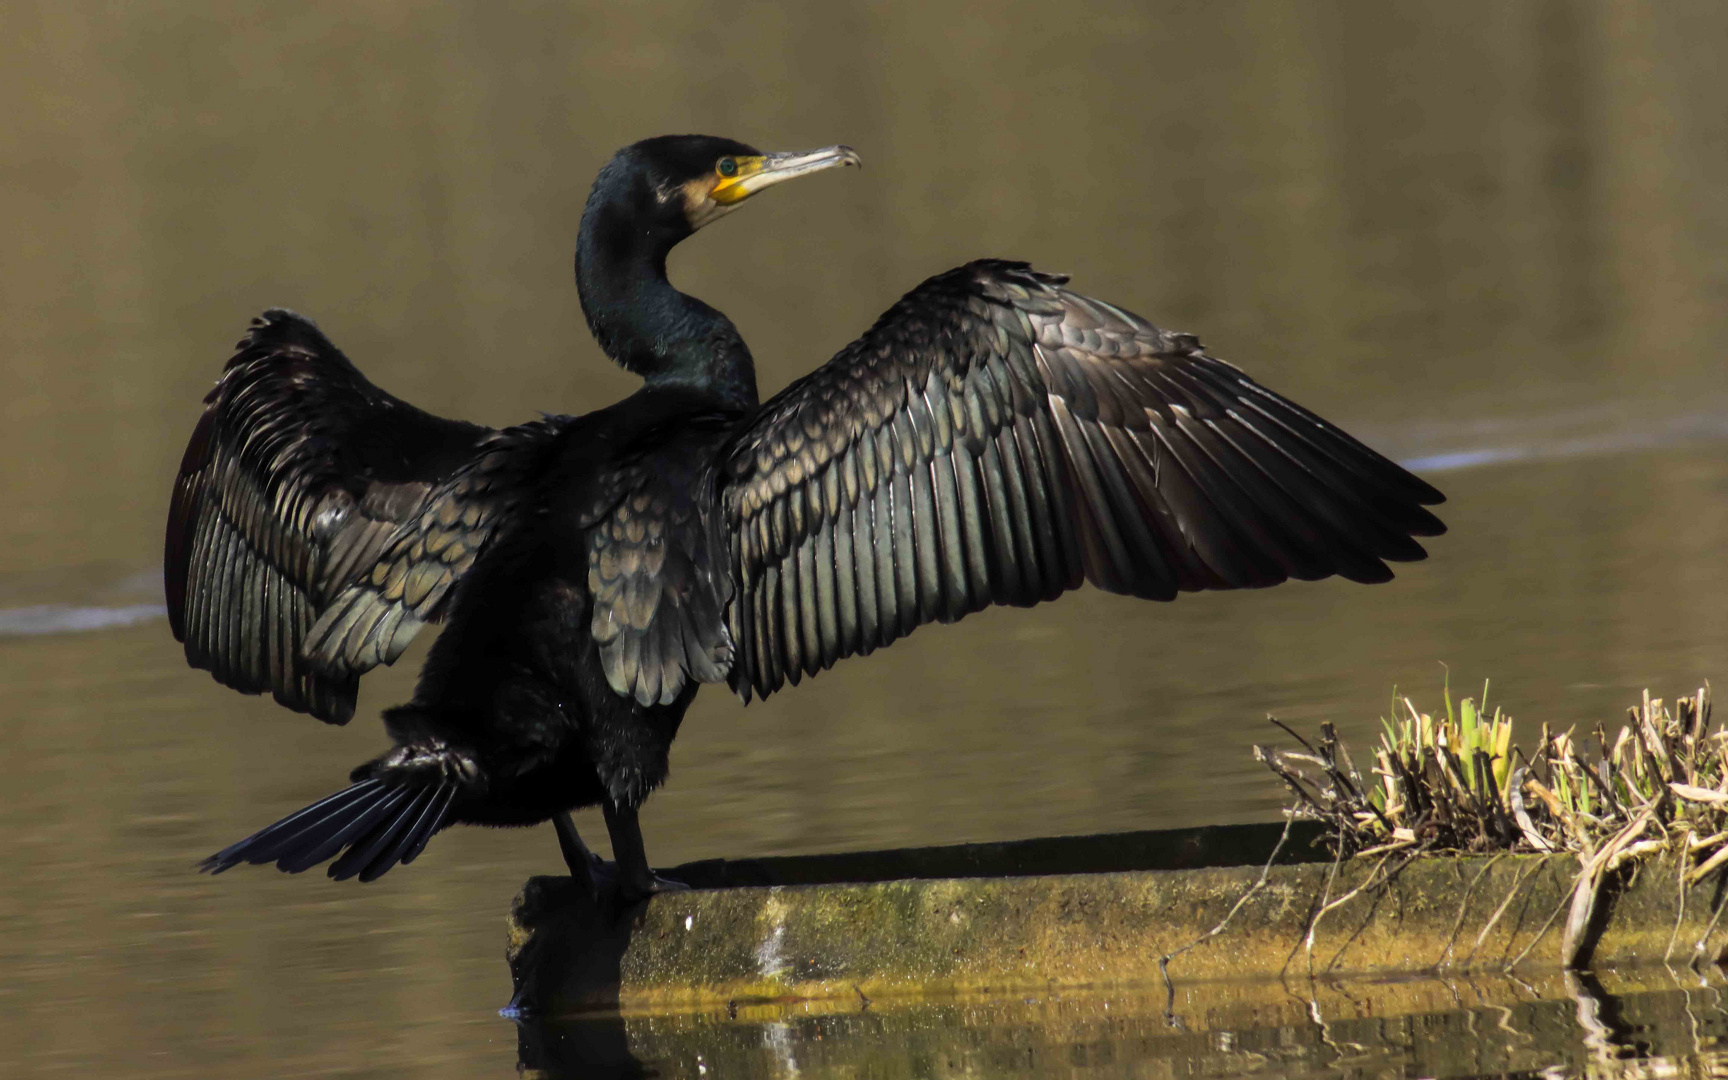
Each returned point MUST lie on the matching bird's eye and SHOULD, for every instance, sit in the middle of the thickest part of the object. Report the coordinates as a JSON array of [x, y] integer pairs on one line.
[[727, 167]]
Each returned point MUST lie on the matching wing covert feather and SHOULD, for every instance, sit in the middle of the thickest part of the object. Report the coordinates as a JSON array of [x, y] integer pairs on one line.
[[655, 591]]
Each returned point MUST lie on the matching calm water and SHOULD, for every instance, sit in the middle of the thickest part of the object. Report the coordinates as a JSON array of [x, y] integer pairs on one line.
[[1488, 238], [1654, 1025]]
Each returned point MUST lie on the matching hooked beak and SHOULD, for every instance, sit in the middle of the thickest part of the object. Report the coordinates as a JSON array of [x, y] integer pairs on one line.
[[757, 173]]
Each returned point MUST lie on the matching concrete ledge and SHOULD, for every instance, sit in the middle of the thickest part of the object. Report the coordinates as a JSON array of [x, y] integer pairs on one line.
[[982, 935]]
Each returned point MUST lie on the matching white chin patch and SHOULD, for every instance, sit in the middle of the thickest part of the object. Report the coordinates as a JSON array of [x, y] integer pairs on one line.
[[699, 206]]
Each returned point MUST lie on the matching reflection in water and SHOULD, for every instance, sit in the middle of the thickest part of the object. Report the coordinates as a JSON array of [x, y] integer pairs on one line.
[[1589, 433], [66, 618], [1424, 221], [1658, 1025]]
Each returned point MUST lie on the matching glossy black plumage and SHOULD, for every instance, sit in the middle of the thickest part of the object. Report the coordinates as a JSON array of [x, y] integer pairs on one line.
[[993, 439]]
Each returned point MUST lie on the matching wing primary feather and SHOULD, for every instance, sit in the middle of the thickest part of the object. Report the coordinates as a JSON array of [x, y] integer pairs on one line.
[[1107, 561], [761, 643], [1222, 491], [285, 671], [1309, 546], [827, 614], [226, 596], [774, 655], [744, 603], [846, 571], [207, 576], [882, 536], [927, 545], [270, 638], [196, 604], [246, 652], [864, 563], [1155, 562], [1117, 459], [210, 587], [974, 528], [1016, 565], [258, 623], [792, 631], [1031, 514], [1057, 478], [1345, 448], [956, 588], [905, 557], [808, 603], [1393, 521]]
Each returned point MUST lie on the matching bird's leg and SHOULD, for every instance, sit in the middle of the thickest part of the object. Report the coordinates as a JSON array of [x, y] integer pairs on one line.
[[577, 857], [635, 880]]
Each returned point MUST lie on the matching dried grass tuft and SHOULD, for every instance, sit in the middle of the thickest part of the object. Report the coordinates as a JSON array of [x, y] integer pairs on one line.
[[1459, 782]]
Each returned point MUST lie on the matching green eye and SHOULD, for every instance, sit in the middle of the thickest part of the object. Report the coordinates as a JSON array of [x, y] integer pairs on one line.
[[728, 167]]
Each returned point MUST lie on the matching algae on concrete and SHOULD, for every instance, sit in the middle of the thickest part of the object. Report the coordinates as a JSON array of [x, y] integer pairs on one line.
[[878, 940]]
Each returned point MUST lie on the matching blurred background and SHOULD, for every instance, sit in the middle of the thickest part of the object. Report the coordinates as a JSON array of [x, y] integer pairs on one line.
[[1487, 238]]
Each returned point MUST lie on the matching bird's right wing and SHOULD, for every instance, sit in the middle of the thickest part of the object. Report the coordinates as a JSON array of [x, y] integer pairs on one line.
[[997, 439], [309, 503]]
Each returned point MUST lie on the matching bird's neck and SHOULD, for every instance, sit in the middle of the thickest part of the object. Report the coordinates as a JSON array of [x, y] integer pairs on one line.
[[646, 326]]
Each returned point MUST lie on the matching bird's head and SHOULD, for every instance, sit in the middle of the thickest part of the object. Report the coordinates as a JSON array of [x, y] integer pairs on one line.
[[650, 196], [673, 185]]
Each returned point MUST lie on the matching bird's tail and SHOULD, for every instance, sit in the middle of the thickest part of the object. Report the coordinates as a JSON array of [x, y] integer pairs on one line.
[[379, 822]]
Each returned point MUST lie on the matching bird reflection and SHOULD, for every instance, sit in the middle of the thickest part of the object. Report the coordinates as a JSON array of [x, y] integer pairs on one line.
[[580, 1048]]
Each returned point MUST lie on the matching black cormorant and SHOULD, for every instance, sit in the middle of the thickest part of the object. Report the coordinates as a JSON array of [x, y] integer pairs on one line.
[[992, 439]]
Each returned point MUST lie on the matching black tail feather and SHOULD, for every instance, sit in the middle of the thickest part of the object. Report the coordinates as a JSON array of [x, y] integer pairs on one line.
[[379, 823], [411, 838], [314, 845], [261, 845], [359, 857], [424, 833]]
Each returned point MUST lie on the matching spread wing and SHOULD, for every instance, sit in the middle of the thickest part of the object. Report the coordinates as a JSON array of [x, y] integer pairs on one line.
[[997, 439], [298, 477]]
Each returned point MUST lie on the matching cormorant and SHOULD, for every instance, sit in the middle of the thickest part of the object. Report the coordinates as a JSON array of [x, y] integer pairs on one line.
[[993, 439]]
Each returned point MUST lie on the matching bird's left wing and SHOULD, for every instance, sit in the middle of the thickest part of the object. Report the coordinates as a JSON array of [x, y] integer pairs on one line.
[[317, 521], [997, 439]]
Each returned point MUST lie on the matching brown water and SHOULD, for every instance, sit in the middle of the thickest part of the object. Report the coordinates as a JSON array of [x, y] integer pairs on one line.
[[1488, 238], [1650, 1025]]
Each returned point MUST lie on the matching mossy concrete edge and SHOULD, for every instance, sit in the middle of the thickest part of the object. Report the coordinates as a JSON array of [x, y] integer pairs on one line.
[[990, 935]]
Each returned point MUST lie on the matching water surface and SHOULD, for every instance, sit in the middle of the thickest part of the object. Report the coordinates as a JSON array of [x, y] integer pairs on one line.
[[1488, 238]]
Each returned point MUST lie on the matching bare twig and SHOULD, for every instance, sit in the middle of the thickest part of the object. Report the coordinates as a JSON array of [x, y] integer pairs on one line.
[[1464, 908], [1511, 895]]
